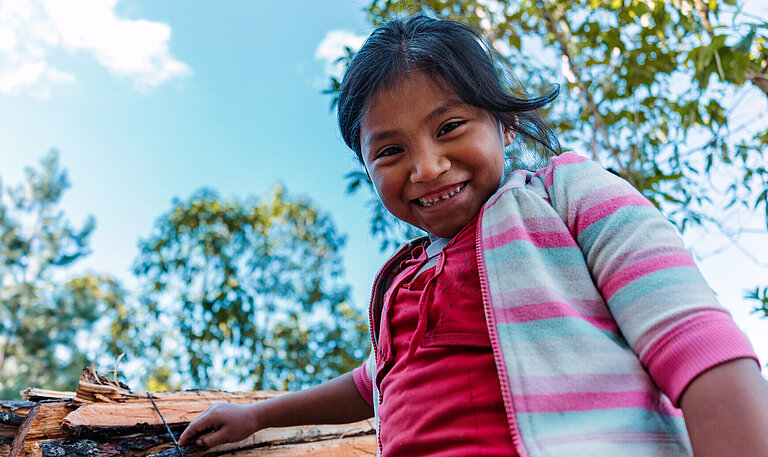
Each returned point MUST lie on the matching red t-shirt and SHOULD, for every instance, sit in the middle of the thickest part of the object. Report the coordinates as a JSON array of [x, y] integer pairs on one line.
[[440, 393]]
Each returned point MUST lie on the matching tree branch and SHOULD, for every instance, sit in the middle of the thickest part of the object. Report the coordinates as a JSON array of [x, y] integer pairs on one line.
[[703, 10], [732, 237], [585, 96], [758, 78], [760, 81]]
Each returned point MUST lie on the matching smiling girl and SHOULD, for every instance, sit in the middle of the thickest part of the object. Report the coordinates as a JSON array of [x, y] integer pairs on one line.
[[548, 313]]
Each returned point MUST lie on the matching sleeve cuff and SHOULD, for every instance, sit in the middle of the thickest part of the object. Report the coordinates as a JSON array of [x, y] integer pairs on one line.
[[363, 383], [693, 347]]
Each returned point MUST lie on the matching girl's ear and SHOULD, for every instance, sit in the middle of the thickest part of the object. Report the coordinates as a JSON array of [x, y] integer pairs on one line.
[[509, 134], [509, 131]]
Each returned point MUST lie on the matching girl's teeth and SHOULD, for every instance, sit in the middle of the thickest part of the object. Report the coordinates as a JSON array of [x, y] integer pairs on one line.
[[432, 201]]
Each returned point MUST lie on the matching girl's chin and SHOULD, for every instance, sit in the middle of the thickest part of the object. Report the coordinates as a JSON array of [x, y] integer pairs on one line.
[[446, 228]]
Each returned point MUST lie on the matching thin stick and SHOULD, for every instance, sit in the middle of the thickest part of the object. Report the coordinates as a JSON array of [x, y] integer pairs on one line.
[[175, 443], [18, 441], [117, 365]]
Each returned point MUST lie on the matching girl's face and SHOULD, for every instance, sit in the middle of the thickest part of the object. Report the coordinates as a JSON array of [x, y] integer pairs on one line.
[[433, 159]]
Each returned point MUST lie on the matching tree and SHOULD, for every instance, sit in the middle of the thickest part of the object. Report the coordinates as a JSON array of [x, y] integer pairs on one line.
[[249, 292], [45, 317], [652, 90]]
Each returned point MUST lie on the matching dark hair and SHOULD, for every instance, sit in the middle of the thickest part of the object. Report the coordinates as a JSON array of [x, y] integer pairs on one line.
[[458, 55]]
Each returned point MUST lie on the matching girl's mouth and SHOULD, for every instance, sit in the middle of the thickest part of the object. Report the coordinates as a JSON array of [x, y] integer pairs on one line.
[[426, 202]]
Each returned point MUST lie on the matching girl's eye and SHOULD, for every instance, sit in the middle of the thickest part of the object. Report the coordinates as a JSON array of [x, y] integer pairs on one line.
[[449, 127], [390, 152]]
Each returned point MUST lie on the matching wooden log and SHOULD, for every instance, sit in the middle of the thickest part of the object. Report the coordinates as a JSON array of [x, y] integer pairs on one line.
[[5, 445], [353, 446], [42, 423], [32, 449], [16, 406], [106, 419], [9, 423], [8, 431], [135, 414], [107, 394], [124, 447], [301, 434], [356, 446], [9, 411], [94, 388], [47, 424], [36, 394], [264, 442]]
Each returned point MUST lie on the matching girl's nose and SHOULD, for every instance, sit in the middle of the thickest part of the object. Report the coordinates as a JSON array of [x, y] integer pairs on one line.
[[428, 164]]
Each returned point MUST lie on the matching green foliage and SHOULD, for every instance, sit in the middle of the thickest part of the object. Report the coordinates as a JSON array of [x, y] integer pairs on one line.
[[44, 317], [761, 296], [651, 88], [247, 291]]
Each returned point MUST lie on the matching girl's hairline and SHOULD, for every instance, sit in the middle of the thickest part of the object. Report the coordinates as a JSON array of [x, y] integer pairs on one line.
[[440, 81]]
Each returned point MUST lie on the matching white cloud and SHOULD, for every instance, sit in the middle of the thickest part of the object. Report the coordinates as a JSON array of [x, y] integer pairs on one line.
[[32, 30], [333, 47], [33, 77]]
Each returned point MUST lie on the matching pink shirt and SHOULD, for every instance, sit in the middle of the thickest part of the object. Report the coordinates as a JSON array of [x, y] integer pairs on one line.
[[434, 324]]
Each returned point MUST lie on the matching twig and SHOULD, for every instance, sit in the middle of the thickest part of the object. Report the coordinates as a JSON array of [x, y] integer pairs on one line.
[[175, 443]]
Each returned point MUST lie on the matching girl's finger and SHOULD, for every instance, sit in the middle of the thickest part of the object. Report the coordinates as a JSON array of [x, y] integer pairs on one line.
[[213, 438], [195, 427]]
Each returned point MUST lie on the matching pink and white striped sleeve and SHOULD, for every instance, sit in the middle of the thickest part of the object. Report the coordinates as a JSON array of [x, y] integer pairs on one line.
[[657, 295]]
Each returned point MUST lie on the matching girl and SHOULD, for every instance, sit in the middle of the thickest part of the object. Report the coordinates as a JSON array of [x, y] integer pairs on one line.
[[556, 313]]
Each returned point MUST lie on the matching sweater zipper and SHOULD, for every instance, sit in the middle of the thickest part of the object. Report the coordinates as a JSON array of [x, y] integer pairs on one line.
[[373, 298], [371, 321], [514, 430], [386, 267]]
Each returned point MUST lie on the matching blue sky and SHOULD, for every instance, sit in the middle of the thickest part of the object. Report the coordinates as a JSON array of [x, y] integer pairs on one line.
[[246, 113], [147, 101]]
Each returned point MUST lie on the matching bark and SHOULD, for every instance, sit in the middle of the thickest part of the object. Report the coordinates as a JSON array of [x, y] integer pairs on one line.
[[11, 416], [9, 424], [340, 440], [7, 418], [15, 406], [134, 446], [5, 445]]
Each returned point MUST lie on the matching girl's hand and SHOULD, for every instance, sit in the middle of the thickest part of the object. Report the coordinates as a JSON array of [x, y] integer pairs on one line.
[[221, 423], [335, 402]]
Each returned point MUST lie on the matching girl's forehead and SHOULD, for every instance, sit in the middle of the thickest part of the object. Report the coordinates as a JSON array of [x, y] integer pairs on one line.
[[397, 89]]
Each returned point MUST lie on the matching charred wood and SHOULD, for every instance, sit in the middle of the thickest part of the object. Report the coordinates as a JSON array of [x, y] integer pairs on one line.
[[7, 418]]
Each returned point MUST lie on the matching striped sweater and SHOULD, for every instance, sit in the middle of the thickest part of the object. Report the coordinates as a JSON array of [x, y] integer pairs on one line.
[[597, 314]]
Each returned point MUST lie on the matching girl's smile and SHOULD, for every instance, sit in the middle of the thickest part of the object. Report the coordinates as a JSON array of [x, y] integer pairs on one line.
[[441, 196], [433, 159]]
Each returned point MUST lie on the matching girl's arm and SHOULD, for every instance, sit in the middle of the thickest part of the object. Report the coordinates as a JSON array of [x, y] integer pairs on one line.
[[337, 401], [726, 411], [664, 307]]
